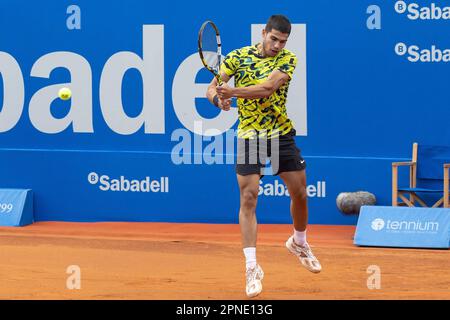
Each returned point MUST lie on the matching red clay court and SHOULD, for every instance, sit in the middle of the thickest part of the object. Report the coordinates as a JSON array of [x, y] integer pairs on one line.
[[205, 261]]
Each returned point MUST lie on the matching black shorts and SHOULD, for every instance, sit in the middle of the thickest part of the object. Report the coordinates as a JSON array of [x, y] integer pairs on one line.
[[253, 155]]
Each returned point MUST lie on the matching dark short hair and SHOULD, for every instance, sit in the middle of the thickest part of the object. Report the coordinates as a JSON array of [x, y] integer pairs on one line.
[[280, 23]]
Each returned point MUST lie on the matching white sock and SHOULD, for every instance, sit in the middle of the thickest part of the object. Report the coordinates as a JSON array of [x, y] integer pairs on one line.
[[250, 257], [300, 237]]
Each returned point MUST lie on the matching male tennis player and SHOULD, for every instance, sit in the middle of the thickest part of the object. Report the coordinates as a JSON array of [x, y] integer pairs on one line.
[[262, 74]]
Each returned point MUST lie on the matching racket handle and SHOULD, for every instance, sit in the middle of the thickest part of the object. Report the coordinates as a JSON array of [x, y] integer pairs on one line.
[[219, 79]]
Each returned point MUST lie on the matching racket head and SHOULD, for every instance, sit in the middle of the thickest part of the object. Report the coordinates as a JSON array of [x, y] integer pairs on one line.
[[210, 48]]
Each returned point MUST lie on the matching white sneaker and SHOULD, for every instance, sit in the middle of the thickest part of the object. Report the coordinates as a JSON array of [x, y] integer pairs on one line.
[[253, 281], [304, 253]]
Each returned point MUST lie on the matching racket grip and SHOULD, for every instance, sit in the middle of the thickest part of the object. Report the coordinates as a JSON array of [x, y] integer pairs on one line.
[[219, 80]]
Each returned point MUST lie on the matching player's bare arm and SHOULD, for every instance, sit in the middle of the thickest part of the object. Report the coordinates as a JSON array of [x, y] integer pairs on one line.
[[263, 90], [211, 92]]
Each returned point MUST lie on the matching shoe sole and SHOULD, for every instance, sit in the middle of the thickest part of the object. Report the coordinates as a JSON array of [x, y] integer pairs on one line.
[[252, 295]]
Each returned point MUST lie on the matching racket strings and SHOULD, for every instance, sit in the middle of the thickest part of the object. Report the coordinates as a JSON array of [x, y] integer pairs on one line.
[[210, 47]]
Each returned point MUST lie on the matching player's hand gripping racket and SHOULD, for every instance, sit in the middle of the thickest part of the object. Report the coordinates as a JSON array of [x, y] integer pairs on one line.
[[209, 48]]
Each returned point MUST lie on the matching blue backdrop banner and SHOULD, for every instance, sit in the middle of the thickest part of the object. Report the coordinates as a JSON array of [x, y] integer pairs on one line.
[[138, 141]]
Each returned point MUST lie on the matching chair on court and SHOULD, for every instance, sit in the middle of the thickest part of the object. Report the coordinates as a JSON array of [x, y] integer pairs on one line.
[[428, 174]]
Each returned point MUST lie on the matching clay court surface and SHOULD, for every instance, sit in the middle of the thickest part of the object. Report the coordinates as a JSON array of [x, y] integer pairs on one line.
[[205, 261]]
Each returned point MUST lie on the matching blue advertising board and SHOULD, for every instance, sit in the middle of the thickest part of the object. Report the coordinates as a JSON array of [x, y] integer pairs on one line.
[[403, 227], [16, 207]]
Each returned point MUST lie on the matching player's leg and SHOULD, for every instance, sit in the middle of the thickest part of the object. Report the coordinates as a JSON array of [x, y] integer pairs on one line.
[[296, 184], [248, 171], [248, 189], [292, 171], [289, 164], [297, 244]]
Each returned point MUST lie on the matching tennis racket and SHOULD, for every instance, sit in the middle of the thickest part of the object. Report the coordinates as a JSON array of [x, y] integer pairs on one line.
[[210, 48]]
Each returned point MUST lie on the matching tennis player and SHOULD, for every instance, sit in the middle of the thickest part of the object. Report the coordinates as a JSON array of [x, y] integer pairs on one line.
[[262, 74]]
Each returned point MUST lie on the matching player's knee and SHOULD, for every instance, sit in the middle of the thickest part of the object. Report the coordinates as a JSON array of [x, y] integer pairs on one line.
[[249, 198], [299, 193]]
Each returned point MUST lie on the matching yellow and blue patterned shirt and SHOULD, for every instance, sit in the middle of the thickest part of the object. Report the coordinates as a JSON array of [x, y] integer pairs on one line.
[[264, 116]]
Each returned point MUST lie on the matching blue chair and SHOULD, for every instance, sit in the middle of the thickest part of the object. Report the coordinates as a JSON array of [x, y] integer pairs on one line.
[[428, 174]]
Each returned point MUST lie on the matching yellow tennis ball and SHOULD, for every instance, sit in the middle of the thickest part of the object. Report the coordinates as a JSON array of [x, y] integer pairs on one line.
[[64, 93]]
